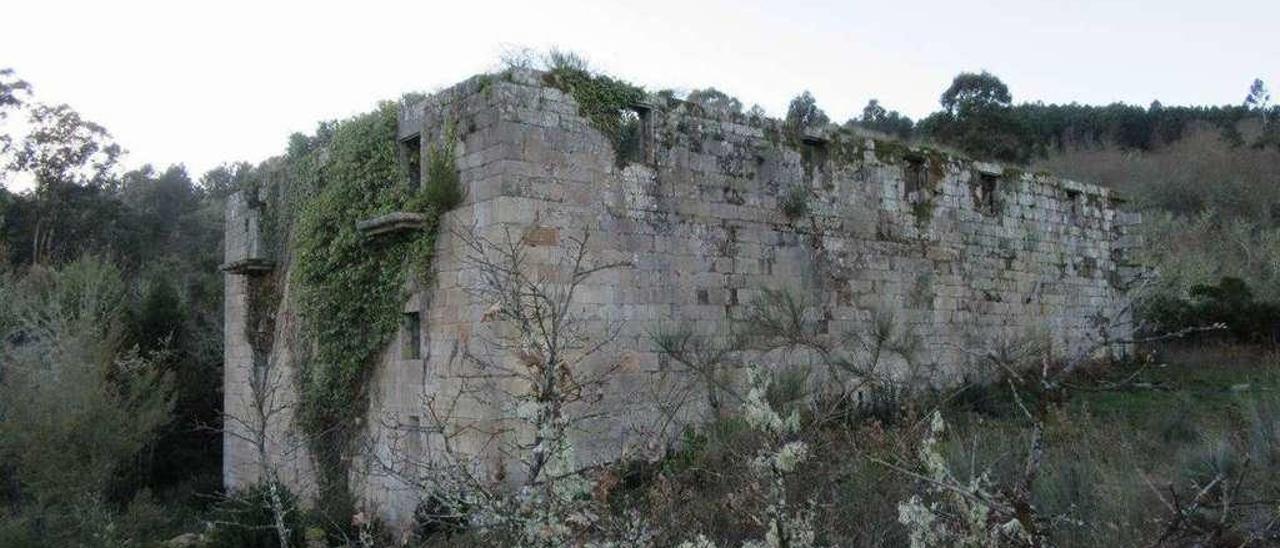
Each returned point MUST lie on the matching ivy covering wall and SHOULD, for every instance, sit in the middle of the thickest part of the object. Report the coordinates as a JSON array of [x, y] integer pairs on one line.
[[348, 288]]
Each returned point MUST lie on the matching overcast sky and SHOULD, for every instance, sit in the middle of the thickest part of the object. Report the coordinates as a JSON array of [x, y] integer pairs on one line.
[[201, 83]]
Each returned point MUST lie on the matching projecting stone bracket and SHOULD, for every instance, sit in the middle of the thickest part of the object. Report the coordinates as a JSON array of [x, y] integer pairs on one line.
[[249, 267], [814, 136], [391, 223], [245, 250]]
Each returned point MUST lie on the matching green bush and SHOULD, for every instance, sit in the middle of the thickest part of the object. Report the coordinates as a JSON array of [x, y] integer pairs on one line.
[[350, 288], [436, 518], [1229, 302], [444, 190], [16, 532], [795, 205], [605, 101], [76, 405], [245, 520], [146, 520]]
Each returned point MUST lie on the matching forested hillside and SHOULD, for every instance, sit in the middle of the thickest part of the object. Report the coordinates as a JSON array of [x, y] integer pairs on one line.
[[111, 324], [111, 338]]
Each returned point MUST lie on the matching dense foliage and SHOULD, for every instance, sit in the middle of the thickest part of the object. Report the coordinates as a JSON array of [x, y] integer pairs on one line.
[[890, 122], [1230, 302], [979, 118], [125, 401], [607, 102], [244, 520], [351, 288], [78, 405]]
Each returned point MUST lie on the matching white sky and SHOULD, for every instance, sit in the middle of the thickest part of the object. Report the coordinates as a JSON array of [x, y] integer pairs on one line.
[[201, 83]]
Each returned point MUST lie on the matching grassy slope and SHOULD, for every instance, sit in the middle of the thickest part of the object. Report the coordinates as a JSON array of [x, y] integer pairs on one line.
[[1174, 422], [1123, 434]]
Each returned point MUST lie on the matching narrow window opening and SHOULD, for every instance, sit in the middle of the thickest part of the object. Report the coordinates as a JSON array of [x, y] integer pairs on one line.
[[813, 150], [411, 149], [413, 444], [634, 144], [1076, 207], [914, 179], [411, 336], [984, 194]]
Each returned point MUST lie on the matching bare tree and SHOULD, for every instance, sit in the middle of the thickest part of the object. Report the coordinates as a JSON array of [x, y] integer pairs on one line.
[[541, 369], [855, 360], [265, 410], [709, 357]]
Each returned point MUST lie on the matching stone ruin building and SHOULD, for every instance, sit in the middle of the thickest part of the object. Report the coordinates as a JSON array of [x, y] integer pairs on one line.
[[963, 252]]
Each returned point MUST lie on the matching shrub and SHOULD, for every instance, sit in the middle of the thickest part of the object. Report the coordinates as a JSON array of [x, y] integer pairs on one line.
[[1229, 302], [795, 205], [245, 520], [435, 517], [75, 405], [16, 532], [145, 519], [444, 190]]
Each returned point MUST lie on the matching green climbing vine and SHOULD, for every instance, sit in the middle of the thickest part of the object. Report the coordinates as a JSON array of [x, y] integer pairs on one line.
[[349, 288]]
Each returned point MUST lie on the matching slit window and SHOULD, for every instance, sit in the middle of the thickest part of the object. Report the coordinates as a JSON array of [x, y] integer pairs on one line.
[[414, 443], [411, 149], [1075, 205], [914, 178], [411, 336], [984, 195]]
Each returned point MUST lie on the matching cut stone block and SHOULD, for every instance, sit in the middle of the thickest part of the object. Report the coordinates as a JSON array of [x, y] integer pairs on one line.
[[399, 221], [814, 136]]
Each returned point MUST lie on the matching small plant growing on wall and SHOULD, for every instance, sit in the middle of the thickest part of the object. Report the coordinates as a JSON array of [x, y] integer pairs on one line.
[[795, 204], [922, 210], [444, 190], [607, 102]]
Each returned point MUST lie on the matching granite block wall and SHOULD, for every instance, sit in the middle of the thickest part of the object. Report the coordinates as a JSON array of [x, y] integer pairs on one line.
[[705, 213]]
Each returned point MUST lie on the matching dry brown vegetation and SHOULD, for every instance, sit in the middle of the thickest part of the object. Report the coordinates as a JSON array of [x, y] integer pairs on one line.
[[1211, 208]]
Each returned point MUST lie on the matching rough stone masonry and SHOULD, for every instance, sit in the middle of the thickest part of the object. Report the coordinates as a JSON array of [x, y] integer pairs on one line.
[[709, 209]]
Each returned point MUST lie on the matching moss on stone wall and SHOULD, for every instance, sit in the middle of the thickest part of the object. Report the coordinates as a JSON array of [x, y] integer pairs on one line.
[[603, 100]]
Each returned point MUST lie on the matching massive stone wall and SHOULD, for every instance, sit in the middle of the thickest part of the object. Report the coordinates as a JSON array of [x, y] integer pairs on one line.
[[258, 391], [962, 253]]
